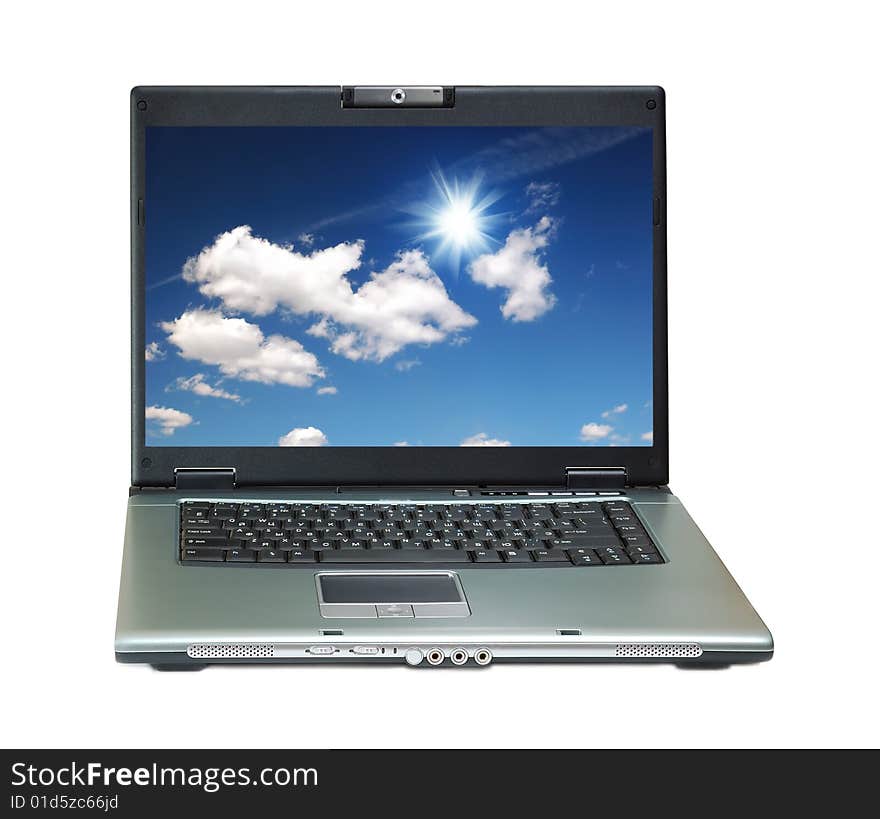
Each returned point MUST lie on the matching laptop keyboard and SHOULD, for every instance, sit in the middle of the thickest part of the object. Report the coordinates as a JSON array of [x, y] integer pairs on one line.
[[566, 534]]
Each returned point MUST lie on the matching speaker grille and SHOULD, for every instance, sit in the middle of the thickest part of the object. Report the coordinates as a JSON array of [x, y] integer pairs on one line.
[[230, 650], [658, 650]]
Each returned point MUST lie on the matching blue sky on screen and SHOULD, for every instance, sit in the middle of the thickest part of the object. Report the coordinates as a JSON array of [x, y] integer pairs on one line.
[[398, 286]]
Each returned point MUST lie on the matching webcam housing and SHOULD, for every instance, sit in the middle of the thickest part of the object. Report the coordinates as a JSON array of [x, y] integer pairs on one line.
[[398, 96]]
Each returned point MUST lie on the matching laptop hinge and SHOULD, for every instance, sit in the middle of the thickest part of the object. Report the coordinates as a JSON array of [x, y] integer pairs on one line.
[[186, 478], [595, 477]]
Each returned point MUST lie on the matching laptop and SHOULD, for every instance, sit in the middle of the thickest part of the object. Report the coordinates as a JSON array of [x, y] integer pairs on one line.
[[400, 384]]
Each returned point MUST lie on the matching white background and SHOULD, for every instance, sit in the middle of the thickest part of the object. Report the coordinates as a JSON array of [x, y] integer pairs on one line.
[[773, 263]]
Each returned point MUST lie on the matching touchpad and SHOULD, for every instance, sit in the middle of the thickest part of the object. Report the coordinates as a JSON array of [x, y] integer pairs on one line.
[[391, 594]]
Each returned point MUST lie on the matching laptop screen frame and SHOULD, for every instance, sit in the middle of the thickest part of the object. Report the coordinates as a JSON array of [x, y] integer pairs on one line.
[[379, 465]]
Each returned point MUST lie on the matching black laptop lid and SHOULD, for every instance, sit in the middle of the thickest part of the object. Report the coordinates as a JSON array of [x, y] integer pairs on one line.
[[466, 292]]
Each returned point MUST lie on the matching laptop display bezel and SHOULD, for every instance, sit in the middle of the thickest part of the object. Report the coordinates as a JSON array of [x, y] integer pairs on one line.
[[401, 466]]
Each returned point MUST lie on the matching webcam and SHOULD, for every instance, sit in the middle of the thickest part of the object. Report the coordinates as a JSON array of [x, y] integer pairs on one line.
[[398, 96]]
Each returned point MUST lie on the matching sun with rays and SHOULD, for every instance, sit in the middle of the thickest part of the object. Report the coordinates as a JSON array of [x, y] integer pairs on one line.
[[457, 217]]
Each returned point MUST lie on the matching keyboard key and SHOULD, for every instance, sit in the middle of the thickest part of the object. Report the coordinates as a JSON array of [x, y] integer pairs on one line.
[[646, 557], [301, 556], [584, 557], [611, 541], [317, 545], [635, 540], [487, 515], [204, 532], [485, 556], [593, 530], [271, 556], [516, 556], [588, 510], [213, 555], [640, 549], [550, 556], [614, 557], [200, 542], [446, 545], [241, 556], [630, 529], [396, 556]]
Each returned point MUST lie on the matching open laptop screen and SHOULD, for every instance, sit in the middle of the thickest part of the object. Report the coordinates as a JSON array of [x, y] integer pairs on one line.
[[398, 286]]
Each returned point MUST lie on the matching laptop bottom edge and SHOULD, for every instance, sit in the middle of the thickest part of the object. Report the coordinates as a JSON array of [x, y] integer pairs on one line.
[[181, 661]]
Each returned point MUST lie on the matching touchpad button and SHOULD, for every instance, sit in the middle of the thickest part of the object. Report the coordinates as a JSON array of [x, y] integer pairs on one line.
[[387, 594]]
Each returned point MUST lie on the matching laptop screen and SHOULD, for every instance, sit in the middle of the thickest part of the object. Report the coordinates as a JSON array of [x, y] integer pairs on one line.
[[398, 286]]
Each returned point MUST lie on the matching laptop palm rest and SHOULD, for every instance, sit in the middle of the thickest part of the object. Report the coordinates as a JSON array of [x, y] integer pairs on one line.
[[391, 594]]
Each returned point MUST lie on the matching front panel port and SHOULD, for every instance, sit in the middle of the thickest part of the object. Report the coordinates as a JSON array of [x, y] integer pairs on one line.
[[434, 656], [458, 656]]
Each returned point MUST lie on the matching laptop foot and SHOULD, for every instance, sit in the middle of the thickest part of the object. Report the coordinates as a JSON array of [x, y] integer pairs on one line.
[[703, 666], [179, 666]]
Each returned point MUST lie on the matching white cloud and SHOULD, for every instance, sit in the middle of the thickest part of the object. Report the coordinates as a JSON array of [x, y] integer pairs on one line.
[[401, 443], [406, 303], [406, 366], [595, 432], [517, 268], [307, 239], [168, 419], [154, 352], [618, 410], [240, 349], [327, 390], [482, 439], [199, 386], [303, 436], [542, 195], [648, 436]]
